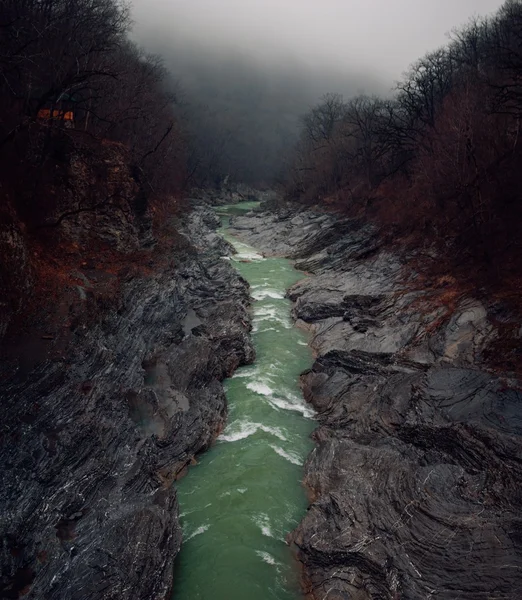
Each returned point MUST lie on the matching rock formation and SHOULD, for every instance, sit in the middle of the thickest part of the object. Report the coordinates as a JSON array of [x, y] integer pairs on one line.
[[96, 428], [415, 479]]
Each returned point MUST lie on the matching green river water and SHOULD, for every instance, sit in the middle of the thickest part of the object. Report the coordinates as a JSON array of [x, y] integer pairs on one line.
[[238, 504]]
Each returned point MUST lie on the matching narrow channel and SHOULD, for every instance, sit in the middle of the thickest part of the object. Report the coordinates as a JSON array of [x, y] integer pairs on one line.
[[245, 495]]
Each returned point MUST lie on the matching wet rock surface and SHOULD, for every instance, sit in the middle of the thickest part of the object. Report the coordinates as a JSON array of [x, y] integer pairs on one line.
[[415, 479], [232, 193], [94, 433]]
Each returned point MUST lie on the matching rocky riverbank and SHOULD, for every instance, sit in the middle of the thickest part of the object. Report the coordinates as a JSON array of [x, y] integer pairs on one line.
[[98, 423], [415, 479], [232, 194]]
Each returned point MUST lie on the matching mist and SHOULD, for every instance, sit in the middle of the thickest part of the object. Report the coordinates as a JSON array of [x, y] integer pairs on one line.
[[248, 69]]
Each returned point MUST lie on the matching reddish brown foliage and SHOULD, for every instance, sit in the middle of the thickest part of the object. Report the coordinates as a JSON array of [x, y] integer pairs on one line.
[[437, 169]]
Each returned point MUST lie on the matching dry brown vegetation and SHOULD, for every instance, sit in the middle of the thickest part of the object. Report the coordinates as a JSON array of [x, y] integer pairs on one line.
[[74, 56], [437, 168], [99, 189]]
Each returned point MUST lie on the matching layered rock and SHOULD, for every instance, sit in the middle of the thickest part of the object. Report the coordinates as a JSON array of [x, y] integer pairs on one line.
[[415, 479], [232, 193], [98, 423]]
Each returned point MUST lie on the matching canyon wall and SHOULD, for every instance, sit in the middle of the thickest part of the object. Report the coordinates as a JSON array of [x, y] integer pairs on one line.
[[106, 399], [414, 483]]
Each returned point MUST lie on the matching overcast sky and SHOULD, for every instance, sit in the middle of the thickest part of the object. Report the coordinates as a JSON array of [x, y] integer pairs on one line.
[[383, 36]]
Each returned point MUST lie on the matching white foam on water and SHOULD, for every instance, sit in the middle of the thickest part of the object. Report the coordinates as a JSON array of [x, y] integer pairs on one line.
[[296, 407], [245, 252], [235, 432], [271, 313], [198, 531], [254, 372], [260, 388], [294, 398], [239, 430], [241, 373], [263, 522], [257, 328], [302, 343], [269, 310], [248, 257], [264, 330], [275, 366], [266, 557], [263, 293], [275, 431], [289, 456], [242, 490], [263, 312]]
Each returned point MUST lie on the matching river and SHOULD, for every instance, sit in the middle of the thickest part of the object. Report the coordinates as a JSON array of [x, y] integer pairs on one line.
[[238, 504]]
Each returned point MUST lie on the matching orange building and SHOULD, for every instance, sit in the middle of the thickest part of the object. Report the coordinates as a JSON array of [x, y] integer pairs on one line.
[[56, 113]]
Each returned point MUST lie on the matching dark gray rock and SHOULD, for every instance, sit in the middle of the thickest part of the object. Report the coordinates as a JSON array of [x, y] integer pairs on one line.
[[415, 480], [16, 274], [231, 193], [94, 434]]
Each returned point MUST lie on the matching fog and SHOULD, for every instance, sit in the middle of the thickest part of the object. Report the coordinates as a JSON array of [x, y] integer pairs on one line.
[[383, 36], [257, 65]]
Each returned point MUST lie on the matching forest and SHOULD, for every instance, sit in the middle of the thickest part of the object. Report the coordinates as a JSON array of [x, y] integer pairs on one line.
[[71, 80], [438, 165], [260, 312]]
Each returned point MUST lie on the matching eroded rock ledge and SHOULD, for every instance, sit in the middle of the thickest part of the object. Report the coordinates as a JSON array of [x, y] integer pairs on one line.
[[415, 479], [93, 439]]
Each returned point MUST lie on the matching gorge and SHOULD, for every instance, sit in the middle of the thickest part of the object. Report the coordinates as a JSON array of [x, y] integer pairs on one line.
[[414, 478], [245, 495], [412, 483], [260, 300]]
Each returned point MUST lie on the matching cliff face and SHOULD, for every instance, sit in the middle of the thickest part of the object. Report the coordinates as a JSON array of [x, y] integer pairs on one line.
[[414, 481], [232, 193], [75, 202], [107, 395]]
